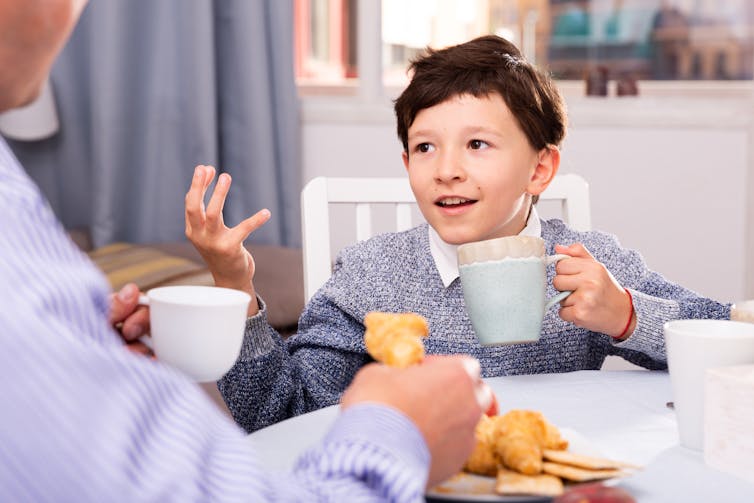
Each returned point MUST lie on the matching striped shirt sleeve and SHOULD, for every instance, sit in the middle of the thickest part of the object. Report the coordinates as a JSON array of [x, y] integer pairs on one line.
[[85, 420]]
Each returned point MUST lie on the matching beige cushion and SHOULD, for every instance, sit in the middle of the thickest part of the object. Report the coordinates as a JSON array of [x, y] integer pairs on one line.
[[279, 277]]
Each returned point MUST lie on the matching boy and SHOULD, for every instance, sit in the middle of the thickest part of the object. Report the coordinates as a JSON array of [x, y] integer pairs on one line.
[[480, 129], [84, 420]]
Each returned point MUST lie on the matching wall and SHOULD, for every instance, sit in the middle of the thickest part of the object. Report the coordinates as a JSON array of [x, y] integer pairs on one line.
[[669, 176]]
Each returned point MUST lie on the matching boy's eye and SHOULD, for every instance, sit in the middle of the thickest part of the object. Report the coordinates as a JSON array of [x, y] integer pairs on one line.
[[477, 144], [425, 147]]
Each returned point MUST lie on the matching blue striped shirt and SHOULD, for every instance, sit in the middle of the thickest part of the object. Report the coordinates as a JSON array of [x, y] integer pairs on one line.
[[83, 419]]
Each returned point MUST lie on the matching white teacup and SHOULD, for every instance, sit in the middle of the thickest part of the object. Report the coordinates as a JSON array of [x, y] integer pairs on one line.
[[692, 347], [504, 288], [197, 329], [743, 311]]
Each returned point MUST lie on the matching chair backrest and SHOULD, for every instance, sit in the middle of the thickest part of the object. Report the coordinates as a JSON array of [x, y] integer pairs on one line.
[[572, 191]]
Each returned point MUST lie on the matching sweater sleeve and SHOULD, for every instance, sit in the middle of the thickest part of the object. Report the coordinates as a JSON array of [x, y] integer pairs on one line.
[[656, 299], [275, 379]]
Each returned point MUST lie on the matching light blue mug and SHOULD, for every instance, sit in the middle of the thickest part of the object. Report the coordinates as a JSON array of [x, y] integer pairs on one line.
[[504, 287]]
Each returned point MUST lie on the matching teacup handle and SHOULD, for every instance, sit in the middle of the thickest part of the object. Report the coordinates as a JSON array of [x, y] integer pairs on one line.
[[145, 339], [551, 259]]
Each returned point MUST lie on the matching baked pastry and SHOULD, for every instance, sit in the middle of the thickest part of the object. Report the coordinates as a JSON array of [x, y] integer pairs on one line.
[[515, 441], [395, 339], [484, 460]]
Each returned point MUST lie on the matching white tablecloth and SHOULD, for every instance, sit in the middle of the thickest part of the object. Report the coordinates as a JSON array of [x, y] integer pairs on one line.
[[622, 413]]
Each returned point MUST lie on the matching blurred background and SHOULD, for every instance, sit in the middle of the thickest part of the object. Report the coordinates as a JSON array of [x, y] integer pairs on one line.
[[275, 92]]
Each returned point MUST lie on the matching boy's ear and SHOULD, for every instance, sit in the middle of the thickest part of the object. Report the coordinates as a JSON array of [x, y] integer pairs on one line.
[[404, 156], [548, 162]]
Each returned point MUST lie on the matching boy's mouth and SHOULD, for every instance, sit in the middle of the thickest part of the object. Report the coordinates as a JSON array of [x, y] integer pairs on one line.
[[454, 202]]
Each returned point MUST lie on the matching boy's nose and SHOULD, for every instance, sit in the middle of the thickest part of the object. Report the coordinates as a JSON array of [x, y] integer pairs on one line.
[[449, 167]]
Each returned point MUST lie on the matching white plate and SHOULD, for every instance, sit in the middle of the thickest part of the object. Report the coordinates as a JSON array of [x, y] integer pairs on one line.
[[472, 488]]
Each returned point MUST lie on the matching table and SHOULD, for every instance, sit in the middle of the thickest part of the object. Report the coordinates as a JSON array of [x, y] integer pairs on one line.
[[623, 413]]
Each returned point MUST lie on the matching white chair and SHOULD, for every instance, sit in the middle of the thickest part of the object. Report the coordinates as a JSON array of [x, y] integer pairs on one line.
[[572, 191]]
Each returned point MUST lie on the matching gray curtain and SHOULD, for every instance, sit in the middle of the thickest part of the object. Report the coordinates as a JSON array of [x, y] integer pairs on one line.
[[147, 89]]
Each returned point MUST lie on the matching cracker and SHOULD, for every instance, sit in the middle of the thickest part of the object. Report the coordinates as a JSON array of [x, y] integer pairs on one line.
[[581, 461], [510, 483], [575, 474]]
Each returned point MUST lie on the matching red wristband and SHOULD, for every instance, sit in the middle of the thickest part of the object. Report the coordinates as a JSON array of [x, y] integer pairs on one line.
[[630, 315]]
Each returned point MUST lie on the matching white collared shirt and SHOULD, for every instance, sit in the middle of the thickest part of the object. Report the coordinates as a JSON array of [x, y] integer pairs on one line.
[[445, 257]]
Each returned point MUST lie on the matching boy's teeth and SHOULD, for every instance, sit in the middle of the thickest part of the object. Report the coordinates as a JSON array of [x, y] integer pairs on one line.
[[453, 200]]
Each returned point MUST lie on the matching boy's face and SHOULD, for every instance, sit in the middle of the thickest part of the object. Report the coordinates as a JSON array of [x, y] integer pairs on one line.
[[472, 169]]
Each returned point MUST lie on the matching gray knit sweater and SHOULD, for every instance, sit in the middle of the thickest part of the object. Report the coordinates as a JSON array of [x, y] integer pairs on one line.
[[275, 379]]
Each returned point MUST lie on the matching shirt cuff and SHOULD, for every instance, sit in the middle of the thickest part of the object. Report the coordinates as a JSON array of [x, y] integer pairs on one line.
[[259, 337], [378, 445]]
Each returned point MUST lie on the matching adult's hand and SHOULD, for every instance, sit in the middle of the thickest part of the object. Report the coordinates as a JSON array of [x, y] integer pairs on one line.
[[130, 319], [221, 247], [444, 397]]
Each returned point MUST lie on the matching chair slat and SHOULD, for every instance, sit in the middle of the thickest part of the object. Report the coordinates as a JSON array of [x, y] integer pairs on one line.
[[402, 217], [363, 221]]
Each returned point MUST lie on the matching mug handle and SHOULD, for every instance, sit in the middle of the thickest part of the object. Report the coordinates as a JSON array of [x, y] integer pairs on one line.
[[552, 259], [145, 339]]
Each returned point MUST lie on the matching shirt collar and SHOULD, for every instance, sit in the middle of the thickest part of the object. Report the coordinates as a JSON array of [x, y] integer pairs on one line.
[[445, 257]]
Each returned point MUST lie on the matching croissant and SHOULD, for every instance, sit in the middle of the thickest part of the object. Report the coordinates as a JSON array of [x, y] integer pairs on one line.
[[522, 434], [395, 339], [484, 459]]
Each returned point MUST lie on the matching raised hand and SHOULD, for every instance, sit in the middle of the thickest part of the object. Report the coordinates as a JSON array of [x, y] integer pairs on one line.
[[221, 247], [444, 397], [598, 302]]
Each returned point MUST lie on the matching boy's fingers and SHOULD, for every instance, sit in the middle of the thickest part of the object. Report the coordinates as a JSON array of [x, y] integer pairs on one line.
[[217, 201], [574, 250], [566, 281], [195, 196], [241, 231]]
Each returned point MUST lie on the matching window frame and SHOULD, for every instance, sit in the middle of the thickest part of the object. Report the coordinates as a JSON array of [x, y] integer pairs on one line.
[[679, 102]]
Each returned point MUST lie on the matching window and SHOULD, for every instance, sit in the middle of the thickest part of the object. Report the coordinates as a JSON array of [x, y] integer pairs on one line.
[[707, 40], [325, 44]]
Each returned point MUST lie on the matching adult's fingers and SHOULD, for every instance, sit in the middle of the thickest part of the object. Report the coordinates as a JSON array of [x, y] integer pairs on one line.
[[123, 303], [482, 392], [136, 325], [140, 348]]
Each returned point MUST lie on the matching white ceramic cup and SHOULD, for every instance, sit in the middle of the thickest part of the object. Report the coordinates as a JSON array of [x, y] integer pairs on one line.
[[197, 329], [743, 311], [504, 283], [692, 347]]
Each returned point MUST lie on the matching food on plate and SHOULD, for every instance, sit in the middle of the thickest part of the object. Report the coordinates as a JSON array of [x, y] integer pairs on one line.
[[525, 452], [395, 339], [484, 459], [514, 440], [510, 483], [576, 474], [579, 460]]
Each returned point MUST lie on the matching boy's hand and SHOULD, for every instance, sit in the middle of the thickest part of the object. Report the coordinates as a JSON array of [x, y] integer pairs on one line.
[[598, 302], [230, 263]]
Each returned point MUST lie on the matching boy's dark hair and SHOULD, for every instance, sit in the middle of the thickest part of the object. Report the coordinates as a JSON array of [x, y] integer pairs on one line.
[[481, 67]]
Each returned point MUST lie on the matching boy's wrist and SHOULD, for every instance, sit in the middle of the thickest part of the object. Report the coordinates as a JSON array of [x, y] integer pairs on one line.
[[630, 323]]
